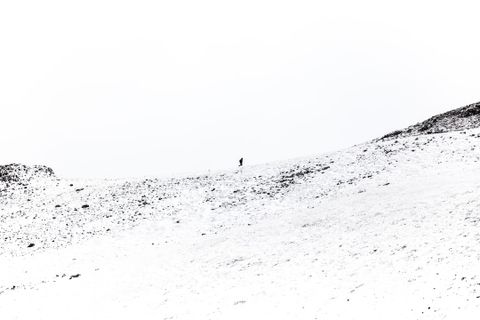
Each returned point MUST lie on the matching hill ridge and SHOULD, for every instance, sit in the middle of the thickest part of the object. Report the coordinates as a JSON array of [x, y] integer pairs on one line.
[[463, 118]]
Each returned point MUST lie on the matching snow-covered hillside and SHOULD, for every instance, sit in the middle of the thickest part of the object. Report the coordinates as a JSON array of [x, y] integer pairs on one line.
[[388, 229]]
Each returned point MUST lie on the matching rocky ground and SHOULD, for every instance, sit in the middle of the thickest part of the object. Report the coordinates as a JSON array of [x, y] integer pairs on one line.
[[464, 118]]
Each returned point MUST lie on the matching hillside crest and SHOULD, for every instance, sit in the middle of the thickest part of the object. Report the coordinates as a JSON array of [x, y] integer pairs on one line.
[[16, 173], [463, 118]]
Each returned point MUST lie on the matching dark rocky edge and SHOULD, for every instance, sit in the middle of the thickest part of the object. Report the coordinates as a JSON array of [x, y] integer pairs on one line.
[[19, 174], [464, 118]]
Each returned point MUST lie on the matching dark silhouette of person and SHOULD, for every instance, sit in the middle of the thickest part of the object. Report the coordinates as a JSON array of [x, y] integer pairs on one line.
[[241, 162]]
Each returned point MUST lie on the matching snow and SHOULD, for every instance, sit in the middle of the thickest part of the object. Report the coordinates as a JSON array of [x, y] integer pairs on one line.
[[382, 230]]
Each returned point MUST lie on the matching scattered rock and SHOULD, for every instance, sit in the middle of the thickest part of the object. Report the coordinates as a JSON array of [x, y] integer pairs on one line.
[[17, 173], [456, 120]]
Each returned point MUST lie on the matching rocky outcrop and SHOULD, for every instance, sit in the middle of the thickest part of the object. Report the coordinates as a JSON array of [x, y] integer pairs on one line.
[[19, 173], [456, 120]]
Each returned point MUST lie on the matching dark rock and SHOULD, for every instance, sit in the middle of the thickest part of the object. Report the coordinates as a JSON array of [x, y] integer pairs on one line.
[[456, 120], [17, 173]]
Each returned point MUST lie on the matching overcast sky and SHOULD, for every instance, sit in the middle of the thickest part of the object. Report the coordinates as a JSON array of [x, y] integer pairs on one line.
[[99, 88]]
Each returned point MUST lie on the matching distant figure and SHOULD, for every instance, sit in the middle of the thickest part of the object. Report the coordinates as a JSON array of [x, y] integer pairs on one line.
[[241, 162]]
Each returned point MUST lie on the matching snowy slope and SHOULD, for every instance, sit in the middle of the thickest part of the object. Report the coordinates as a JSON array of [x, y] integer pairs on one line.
[[383, 230]]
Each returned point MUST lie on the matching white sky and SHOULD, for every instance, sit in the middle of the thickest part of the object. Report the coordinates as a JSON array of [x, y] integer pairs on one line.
[[98, 88]]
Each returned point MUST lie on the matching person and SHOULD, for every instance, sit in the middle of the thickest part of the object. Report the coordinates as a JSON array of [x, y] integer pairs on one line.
[[241, 162]]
